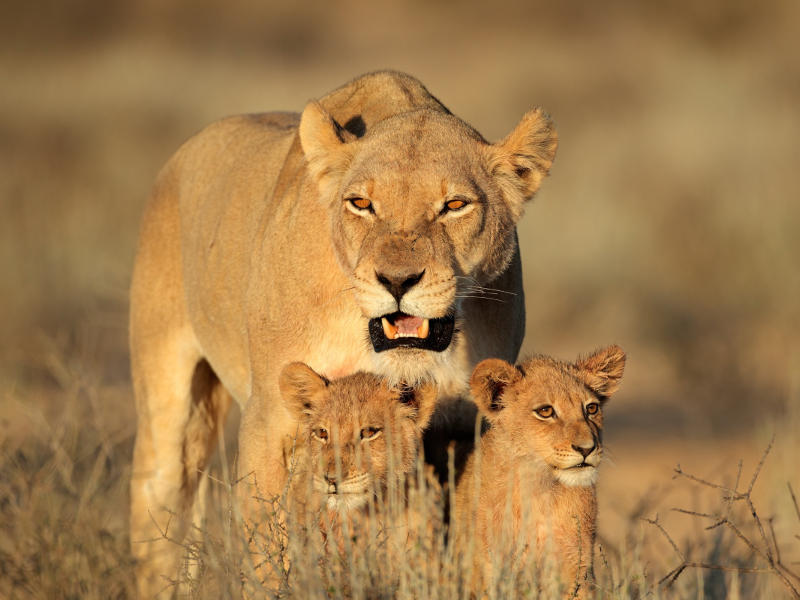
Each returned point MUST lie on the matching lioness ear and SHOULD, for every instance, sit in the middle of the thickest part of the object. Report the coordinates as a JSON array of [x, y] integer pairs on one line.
[[603, 370], [489, 382], [300, 385], [323, 141], [524, 157], [421, 399]]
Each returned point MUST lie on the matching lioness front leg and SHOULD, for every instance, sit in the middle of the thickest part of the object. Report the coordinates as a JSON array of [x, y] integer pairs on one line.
[[179, 402], [265, 434]]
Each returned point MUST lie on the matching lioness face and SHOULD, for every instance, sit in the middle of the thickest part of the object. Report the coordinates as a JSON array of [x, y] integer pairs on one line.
[[357, 432], [422, 210], [551, 411]]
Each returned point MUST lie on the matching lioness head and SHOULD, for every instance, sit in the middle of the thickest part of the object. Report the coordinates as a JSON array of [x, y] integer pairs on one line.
[[358, 431], [550, 410], [421, 208]]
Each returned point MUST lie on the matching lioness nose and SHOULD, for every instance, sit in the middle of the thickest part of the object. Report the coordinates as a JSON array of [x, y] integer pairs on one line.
[[585, 450], [399, 283]]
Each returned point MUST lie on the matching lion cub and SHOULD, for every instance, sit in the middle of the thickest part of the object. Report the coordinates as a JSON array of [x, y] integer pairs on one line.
[[529, 487], [358, 442]]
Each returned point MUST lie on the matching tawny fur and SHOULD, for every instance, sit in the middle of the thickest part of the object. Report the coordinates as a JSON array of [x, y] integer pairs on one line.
[[358, 437], [522, 495], [250, 257]]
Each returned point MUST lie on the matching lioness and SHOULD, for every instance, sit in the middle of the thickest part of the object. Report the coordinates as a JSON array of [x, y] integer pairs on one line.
[[358, 442], [376, 232], [529, 487]]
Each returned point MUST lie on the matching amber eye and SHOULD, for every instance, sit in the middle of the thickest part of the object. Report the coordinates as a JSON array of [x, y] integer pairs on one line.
[[454, 204], [546, 411], [369, 433], [321, 434], [361, 203], [592, 408]]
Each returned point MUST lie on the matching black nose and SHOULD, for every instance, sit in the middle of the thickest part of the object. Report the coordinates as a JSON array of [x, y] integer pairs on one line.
[[330, 479], [584, 450], [398, 284]]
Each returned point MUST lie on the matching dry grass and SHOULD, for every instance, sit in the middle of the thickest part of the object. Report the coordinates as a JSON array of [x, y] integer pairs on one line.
[[63, 495], [669, 226]]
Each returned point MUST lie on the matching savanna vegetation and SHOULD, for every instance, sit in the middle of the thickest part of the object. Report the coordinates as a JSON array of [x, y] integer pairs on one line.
[[668, 225]]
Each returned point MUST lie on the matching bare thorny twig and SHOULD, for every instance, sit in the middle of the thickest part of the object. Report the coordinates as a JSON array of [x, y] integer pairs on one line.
[[765, 548]]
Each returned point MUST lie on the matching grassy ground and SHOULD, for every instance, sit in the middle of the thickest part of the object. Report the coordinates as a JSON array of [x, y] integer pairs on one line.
[[63, 503], [669, 226]]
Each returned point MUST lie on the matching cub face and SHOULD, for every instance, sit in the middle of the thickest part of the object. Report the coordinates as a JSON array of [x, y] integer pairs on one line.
[[549, 410], [421, 209], [352, 428]]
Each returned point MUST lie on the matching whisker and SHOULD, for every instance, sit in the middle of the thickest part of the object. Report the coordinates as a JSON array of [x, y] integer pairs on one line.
[[478, 291], [494, 290], [477, 297], [475, 285]]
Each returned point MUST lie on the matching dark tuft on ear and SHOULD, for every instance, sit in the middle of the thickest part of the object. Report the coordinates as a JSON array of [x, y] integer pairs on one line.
[[489, 382], [602, 370], [408, 395], [300, 387], [421, 399], [325, 146]]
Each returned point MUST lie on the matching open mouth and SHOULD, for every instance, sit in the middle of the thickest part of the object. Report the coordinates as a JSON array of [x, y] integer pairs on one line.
[[407, 331]]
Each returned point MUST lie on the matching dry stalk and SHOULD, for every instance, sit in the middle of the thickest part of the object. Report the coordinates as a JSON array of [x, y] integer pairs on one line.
[[763, 547]]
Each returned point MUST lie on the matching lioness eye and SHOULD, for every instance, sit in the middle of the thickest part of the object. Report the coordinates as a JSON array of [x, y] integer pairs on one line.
[[454, 204], [592, 408], [321, 434], [369, 432], [361, 203], [545, 411]]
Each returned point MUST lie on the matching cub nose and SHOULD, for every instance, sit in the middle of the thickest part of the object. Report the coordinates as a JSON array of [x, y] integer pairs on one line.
[[397, 284], [585, 450], [330, 478]]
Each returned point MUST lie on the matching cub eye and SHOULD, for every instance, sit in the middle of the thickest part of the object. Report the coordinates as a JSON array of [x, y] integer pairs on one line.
[[592, 408], [321, 434], [361, 204], [369, 433], [454, 205], [545, 412]]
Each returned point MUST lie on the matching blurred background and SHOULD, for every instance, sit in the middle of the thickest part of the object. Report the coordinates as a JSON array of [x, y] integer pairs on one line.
[[670, 223]]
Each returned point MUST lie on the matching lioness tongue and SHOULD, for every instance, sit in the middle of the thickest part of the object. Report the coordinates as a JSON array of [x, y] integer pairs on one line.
[[407, 324]]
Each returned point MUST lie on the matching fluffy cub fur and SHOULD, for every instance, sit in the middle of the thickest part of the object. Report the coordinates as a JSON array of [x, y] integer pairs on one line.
[[358, 442], [527, 493]]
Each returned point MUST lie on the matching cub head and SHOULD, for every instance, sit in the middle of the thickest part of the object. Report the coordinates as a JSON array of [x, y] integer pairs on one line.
[[422, 209], [353, 429], [550, 410]]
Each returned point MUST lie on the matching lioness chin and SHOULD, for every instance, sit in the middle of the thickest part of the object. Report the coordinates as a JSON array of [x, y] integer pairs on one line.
[[375, 231]]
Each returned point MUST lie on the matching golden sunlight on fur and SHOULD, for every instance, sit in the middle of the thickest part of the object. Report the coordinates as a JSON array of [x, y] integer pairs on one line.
[[359, 235], [347, 428], [527, 492], [353, 462]]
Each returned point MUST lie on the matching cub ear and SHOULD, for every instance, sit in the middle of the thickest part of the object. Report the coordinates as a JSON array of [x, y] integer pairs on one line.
[[489, 382], [421, 398], [324, 143], [300, 386], [603, 370], [524, 157]]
